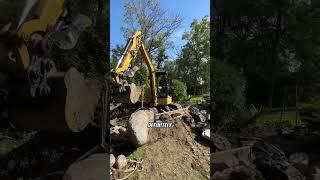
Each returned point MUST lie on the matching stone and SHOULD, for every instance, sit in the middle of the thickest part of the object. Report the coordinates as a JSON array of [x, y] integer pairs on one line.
[[221, 143], [300, 161], [206, 134], [112, 160], [196, 114], [121, 162], [272, 161], [138, 126], [242, 172], [202, 125], [299, 158]]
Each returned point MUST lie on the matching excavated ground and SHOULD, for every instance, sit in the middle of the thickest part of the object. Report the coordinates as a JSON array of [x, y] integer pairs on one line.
[[172, 153], [47, 155]]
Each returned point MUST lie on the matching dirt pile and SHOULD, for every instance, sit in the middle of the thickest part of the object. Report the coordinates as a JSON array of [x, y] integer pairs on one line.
[[171, 153]]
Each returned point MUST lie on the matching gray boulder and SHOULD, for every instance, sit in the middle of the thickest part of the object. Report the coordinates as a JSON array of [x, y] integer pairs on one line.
[[138, 126]]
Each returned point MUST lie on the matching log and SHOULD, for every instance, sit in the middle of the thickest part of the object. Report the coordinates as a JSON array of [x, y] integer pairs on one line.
[[69, 107]]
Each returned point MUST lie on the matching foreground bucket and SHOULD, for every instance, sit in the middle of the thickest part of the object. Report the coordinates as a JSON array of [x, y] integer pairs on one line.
[[131, 95], [69, 107]]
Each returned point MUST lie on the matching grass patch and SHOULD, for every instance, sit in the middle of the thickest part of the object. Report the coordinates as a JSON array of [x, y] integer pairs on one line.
[[6, 145], [114, 106], [199, 99], [200, 174], [275, 120], [138, 153]]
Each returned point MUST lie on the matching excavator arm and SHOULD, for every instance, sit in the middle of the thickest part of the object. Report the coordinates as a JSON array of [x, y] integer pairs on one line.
[[41, 96], [134, 45]]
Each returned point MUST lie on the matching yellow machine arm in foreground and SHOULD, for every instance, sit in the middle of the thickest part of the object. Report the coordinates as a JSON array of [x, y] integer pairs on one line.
[[159, 90], [41, 97]]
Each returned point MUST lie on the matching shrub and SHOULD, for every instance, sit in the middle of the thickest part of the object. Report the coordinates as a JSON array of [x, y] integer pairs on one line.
[[227, 87], [310, 112], [178, 90]]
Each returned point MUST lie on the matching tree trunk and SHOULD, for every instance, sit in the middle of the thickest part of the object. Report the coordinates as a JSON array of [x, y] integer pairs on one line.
[[274, 58]]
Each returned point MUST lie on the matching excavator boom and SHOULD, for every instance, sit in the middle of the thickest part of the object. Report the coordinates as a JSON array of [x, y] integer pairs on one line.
[[135, 45]]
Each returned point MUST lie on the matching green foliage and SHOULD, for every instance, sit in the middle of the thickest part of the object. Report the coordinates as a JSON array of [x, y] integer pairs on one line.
[[178, 90], [161, 57], [267, 40], [192, 66], [196, 100], [116, 53], [277, 119], [228, 93], [140, 77], [170, 68], [310, 112]]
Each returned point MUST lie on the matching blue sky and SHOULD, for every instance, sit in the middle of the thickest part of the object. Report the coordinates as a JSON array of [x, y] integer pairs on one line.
[[188, 9]]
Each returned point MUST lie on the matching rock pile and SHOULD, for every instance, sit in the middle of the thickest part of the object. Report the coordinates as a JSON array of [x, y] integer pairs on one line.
[[256, 160], [201, 119]]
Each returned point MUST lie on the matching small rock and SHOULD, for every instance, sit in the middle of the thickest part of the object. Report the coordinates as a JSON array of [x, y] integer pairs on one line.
[[196, 114], [220, 142], [208, 116], [299, 158], [204, 112], [316, 175], [164, 117], [114, 122], [121, 162], [206, 134], [300, 161], [189, 120], [117, 130], [202, 125], [112, 160]]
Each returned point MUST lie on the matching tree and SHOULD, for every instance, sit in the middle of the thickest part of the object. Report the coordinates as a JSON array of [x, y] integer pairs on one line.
[[155, 23], [228, 88], [193, 63], [116, 53], [266, 40], [170, 67], [161, 57]]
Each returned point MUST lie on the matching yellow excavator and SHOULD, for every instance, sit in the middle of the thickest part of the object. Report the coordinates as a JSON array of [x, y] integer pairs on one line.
[[41, 97], [125, 68]]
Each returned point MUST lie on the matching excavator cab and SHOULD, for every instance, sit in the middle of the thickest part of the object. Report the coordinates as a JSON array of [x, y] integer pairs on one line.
[[163, 88]]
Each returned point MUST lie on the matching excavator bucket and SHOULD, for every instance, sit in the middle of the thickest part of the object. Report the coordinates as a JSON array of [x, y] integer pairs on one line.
[[69, 107], [131, 95]]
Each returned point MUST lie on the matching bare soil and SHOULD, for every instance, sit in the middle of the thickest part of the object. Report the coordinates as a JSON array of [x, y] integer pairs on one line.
[[172, 153]]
